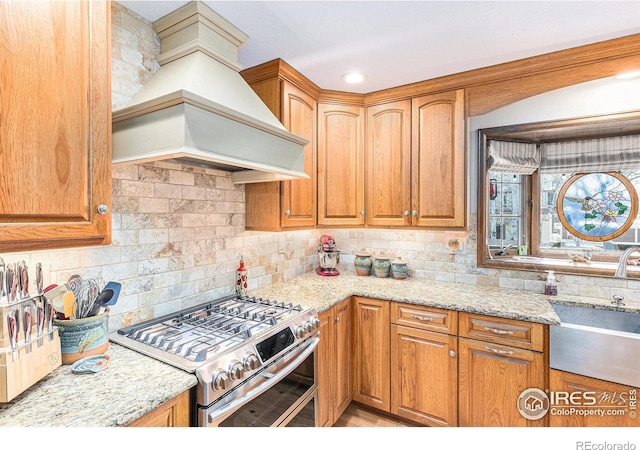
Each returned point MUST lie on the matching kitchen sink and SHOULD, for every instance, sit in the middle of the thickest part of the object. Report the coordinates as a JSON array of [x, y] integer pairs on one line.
[[598, 343]]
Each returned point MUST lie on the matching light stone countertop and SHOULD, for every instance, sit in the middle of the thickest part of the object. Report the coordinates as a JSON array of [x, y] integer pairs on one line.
[[131, 386], [322, 293], [123, 392]]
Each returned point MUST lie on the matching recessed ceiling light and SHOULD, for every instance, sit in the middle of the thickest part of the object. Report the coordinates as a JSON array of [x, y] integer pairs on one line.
[[353, 77], [628, 75]]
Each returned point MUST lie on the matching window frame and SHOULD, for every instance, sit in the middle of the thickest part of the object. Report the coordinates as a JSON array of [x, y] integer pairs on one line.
[[540, 132]]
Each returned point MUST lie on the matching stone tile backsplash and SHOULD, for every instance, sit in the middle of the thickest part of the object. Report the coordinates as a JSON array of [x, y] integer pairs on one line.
[[178, 232]]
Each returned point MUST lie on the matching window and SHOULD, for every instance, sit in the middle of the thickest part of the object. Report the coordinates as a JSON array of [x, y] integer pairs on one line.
[[517, 212]]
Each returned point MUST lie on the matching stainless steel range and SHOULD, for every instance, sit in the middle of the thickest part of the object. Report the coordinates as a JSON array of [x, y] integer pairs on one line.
[[254, 359]]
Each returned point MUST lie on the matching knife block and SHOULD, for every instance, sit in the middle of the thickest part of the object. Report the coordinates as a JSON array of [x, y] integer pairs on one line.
[[29, 362]]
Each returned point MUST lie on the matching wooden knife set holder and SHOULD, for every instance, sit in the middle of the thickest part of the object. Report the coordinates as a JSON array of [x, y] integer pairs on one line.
[[29, 343]]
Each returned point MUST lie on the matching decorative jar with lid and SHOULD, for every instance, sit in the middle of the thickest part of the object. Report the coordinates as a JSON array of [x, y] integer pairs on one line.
[[363, 264]]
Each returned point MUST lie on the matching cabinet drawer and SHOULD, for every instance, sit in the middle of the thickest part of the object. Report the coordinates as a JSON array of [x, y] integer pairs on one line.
[[425, 318], [516, 333]]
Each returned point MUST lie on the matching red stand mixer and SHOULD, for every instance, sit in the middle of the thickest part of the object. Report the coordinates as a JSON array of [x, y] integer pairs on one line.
[[328, 257]]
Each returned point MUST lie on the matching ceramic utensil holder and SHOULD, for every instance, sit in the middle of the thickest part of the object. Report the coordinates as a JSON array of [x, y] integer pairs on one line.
[[80, 338]]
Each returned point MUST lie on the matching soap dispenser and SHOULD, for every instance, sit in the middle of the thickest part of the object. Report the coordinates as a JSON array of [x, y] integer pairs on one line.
[[550, 287]]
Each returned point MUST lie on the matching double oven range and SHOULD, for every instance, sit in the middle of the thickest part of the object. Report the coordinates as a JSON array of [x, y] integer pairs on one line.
[[254, 359]]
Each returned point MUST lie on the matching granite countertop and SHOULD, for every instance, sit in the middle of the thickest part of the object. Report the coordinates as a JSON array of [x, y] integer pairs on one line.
[[322, 293], [116, 396], [123, 392]]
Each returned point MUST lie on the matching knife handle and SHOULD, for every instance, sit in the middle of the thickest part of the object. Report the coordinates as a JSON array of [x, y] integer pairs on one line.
[[27, 323], [11, 323], [39, 319]]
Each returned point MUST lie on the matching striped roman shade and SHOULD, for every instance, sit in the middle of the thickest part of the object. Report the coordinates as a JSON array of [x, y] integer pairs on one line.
[[513, 157], [592, 155]]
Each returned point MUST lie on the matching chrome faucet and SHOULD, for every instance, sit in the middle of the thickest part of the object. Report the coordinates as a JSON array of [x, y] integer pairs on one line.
[[621, 271]]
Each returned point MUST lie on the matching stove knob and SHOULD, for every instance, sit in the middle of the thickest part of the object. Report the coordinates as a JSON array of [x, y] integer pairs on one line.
[[308, 327], [300, 331], [220, 380], [250, 362], [236, 370], [315, 323]]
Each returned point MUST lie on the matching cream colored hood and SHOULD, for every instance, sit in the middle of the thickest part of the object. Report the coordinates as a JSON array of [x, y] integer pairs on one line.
[[198, 110]]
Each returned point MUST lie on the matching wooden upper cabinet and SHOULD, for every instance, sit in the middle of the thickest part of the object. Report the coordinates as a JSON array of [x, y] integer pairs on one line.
[[286, 204], [438, 160], [388, 163], [299, 196], [55, 124], [340, 165]]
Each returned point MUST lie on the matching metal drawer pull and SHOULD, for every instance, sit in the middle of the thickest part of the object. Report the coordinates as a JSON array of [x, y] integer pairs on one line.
[[497, 331], [499, 352], [422, 318]]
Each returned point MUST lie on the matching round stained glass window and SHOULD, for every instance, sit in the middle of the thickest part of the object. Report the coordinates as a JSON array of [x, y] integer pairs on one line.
[[597, 207]]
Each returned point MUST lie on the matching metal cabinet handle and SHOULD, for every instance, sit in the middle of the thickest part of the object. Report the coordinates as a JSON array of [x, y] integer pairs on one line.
[[422, 318], [287, 212], [414, 213], [337, 319], [362, 213], [452, 353], [497, 331], [498, 352], [406, 213], [102, 209]]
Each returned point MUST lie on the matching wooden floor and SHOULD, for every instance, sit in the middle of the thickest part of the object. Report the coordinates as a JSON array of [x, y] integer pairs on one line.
[[357, 416]]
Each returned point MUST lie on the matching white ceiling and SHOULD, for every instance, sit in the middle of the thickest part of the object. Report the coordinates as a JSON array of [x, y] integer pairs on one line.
[[400, 42]]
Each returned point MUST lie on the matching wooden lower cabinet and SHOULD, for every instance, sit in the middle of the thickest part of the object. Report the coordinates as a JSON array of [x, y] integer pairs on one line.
[[491, 378], [172, 413], [618, 402], [371, 361], [334, 363], [424, 376]]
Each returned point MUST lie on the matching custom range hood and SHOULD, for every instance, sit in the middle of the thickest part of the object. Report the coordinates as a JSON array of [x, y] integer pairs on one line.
[[198, 110]]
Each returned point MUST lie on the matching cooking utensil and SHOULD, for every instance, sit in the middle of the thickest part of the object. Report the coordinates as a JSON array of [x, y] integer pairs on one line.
[[105, 296], [70, 305], [115, 287]]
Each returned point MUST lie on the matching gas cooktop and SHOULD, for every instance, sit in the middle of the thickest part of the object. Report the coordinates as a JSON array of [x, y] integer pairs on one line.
[[198, 335]]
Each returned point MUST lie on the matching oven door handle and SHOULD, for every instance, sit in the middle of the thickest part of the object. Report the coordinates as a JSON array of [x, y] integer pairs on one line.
[[272, 380]]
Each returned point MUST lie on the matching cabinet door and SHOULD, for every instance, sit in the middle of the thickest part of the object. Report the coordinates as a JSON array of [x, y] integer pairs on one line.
[[438, 160], [424, 376], [172, 413], [326, 370], [340, 165], [299, 196], [388, 162], [611, 397], [491, 378], [55, 124], [342, 366], [371, 384]]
